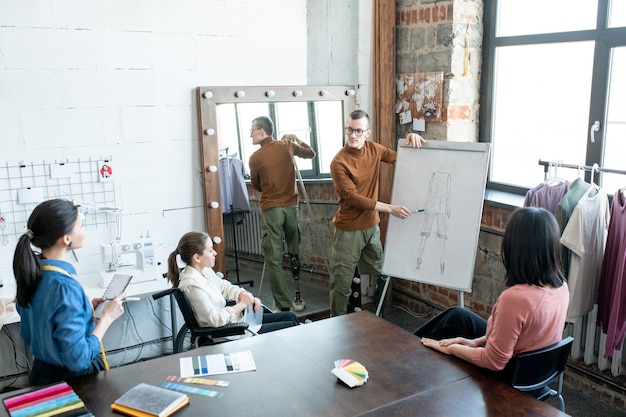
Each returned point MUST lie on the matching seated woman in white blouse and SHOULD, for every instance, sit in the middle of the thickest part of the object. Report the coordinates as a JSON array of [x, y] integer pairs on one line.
[[207, 293]]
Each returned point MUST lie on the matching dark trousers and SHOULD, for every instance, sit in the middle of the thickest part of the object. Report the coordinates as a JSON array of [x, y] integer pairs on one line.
[[277, 321], [44, 373], [453, 322], [459, 322]]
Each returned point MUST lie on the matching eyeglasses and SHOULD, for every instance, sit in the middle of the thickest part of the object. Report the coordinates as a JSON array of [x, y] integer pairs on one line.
[[357, 132], [254, 128]]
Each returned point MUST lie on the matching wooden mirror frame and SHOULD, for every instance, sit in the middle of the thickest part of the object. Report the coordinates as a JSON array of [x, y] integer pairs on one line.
[[208, 98]]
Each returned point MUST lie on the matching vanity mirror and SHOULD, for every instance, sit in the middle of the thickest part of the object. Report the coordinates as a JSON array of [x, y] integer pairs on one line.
[[315, 114]]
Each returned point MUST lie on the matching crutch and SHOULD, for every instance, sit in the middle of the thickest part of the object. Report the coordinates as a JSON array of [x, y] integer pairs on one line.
[[319, 242]]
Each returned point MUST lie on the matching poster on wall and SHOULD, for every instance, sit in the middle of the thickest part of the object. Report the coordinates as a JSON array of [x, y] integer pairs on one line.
[[105, 171], [419, 96]]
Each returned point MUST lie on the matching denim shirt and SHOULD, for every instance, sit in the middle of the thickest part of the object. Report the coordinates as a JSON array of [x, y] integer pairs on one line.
[[57, 324]]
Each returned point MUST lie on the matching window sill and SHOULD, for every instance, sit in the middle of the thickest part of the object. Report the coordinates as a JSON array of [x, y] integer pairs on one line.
[[503, 199]]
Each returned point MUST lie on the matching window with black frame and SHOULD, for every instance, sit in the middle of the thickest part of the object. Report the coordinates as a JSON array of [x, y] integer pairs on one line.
[[554, 78], [318, 123]]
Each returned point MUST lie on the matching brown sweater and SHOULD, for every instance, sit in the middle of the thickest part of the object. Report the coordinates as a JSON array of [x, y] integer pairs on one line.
[[355, 173], [273, 174]]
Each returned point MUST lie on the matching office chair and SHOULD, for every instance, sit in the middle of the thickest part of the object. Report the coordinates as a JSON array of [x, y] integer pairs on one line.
[[532, 371], [190, 332]]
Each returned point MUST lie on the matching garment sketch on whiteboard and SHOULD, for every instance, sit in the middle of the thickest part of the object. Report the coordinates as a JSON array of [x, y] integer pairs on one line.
[[437, 208]]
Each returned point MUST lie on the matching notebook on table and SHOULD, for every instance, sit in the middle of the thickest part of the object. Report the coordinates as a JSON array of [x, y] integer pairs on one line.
[[145, 400], [118, 284]]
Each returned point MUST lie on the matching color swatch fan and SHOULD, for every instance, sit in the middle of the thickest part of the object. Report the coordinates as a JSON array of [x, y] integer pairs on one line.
[[351, 373]]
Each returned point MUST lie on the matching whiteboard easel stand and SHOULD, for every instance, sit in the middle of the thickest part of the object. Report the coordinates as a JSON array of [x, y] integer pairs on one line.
[[468, 173]]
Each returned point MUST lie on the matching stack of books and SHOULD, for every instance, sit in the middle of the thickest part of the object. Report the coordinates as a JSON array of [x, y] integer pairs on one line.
[[53, 400]]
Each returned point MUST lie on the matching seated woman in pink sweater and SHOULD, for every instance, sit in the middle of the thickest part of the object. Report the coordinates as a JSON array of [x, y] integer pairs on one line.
[[528, 315]]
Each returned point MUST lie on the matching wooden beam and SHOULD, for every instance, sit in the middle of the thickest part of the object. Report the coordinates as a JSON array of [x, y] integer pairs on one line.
[[211, 189], [384, 70]]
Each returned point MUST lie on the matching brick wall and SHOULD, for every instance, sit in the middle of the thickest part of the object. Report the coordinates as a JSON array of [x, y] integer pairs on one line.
[[444, 36], [447, 36]]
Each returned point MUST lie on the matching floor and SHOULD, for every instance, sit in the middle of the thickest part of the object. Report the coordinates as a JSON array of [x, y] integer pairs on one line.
[[315, 297]]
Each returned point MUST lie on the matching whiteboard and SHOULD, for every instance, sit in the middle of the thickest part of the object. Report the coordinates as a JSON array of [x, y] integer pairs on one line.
[[446, 182]]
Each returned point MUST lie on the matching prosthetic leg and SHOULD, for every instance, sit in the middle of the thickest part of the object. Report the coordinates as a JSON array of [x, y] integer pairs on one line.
[[298, 303], [354, 301]]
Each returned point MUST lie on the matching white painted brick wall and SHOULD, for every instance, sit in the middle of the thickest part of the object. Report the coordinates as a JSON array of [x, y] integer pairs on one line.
[[117, 79]]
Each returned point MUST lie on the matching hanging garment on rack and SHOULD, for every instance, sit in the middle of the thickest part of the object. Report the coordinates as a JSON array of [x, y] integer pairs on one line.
[[546, 196], [585, 235], [564, 210], [612, 291], [233, 186]]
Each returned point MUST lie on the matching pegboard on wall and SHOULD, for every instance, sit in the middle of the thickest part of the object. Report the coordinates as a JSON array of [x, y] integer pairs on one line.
[[24, 185]]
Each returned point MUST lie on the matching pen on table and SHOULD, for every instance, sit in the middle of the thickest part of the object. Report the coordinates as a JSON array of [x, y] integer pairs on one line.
[[125, 299], [418, 211]]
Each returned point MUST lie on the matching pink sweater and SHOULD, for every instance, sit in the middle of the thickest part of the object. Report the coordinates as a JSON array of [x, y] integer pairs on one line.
[[524, 318]]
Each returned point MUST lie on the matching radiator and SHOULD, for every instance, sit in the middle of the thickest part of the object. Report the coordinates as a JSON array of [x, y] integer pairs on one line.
[[246, 235], [590, 344]]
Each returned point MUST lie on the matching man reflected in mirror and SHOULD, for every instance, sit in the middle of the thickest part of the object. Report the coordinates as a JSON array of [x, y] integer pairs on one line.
[[272, 173]]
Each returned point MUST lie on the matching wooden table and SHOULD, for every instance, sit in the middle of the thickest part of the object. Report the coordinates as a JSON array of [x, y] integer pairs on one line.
[[293, 377]]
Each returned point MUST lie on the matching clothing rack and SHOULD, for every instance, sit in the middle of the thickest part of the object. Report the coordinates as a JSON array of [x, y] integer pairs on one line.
[[230, 183], [548, 164]]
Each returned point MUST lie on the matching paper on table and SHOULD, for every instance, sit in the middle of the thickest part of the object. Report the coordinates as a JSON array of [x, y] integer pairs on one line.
[[254, 320], [220, 363]]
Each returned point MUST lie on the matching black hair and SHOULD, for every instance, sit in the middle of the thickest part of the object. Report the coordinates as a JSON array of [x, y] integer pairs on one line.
[[48, 222], [265, 123], [531, 250], [190, 244]]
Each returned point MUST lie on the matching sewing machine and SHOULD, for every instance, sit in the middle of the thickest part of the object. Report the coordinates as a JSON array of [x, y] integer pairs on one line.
[[136, 258]]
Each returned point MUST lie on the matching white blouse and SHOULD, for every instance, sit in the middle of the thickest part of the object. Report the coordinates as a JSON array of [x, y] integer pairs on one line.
[[207, 294]]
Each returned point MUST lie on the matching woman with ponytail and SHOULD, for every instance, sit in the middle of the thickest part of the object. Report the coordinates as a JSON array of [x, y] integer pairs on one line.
[[207, 293], [56, 316]]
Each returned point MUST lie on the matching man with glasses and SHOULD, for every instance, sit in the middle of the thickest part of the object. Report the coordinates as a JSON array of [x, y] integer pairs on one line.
[[356, 241], [272, 172]]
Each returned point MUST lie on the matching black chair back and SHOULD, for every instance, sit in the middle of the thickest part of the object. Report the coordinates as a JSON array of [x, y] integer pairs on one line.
[[530, 371], [185, 308], [191, 324]]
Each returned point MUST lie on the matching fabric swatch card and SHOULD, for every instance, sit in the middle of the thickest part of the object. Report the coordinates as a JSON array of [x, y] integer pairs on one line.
[[221, 363], [254, 320], [52, 400]]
